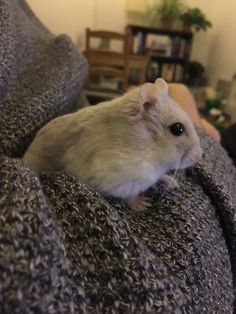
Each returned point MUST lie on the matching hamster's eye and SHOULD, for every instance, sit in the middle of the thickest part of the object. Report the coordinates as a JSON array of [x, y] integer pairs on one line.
[[177, 128]]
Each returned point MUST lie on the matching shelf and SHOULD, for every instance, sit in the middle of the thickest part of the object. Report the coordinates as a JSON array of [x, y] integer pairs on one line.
[[163, 59], [177, 45], [100, 94], [151, 30]]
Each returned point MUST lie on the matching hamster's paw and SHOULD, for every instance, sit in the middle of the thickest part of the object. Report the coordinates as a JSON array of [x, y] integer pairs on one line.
[[139, 203], [169, 181]]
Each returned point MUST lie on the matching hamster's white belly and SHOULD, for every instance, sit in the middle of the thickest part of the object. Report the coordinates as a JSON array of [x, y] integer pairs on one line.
[[131, 188]]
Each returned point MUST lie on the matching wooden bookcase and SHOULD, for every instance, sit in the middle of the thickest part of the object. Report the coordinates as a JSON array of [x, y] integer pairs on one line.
[[171, 63]]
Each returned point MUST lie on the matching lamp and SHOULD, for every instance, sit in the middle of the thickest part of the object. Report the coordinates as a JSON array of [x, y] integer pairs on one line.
[[139, 6]]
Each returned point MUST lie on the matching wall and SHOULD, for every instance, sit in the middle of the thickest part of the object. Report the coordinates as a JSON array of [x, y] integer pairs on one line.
[[222, 53], [203, 40], [73, 16], [215, 49]]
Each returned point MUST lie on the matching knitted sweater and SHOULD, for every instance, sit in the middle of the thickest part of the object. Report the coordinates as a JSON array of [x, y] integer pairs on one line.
[[66, 249]]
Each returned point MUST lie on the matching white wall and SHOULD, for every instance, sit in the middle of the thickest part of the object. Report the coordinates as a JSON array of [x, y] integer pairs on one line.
[[203, 40], [65, 16], [222, 53], [73, 16], [215, 49]]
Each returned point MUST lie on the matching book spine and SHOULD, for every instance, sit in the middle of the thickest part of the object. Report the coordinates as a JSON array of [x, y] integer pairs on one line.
[[182, 48], [187, 49]]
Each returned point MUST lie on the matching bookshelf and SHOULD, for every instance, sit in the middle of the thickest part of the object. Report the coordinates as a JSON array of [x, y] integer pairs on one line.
[[170, 50]]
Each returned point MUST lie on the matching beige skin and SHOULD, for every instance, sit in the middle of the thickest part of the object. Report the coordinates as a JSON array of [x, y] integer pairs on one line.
[[121, 147]]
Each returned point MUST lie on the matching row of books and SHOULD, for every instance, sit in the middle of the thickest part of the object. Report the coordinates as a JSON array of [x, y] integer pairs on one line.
[[162, 45], [180, 47], [168, 71]]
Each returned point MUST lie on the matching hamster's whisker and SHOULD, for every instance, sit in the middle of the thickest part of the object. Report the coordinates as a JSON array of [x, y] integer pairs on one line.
[[176, 169], [174, 176]]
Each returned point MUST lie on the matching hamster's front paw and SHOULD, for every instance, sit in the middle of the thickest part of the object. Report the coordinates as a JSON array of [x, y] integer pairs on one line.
[[169, 181], [139, 203]]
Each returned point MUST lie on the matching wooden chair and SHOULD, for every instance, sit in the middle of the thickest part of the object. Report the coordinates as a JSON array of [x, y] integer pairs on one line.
[[113, 64]]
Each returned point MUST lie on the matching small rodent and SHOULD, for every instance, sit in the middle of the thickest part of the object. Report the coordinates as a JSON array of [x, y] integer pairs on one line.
[[120, 147]]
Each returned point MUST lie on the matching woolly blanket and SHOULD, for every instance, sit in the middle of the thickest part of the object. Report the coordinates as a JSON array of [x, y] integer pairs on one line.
[[66, 249]]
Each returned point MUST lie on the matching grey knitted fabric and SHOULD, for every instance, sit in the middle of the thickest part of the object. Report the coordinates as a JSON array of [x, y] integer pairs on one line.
[[40, 76], [63, 247]]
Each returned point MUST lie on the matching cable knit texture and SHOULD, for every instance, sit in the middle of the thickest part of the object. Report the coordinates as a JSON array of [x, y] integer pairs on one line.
[[66, 249]]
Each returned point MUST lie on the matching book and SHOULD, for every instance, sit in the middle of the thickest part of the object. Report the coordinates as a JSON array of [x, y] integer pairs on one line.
[[153, 71], [138, 44], [141, 43], [168, 72], [175, 47], [187, 49], [179, 72], [182, 47]]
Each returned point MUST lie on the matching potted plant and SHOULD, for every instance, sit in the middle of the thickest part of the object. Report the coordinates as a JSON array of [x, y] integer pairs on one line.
[[194, 17], [166, 11]]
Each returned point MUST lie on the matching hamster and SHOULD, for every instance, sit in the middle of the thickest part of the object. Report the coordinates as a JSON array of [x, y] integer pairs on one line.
[[120, 147]]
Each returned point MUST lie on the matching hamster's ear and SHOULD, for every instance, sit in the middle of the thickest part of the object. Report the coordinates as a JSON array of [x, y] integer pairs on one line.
[[162, 85], [148, 97]]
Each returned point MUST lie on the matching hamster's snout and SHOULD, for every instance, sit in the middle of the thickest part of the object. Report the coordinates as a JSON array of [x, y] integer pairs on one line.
[[190, 158], [197, 153]]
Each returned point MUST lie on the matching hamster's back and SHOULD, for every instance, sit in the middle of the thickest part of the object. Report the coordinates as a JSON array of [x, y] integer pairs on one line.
[[72, 138], [47, 150]]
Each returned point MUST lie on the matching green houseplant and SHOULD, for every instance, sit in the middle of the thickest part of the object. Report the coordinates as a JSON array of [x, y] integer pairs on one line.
[[194, 17], [166, 11]]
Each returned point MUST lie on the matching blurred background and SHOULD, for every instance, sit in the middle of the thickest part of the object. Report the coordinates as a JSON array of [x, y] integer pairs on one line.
[[212, 57]]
